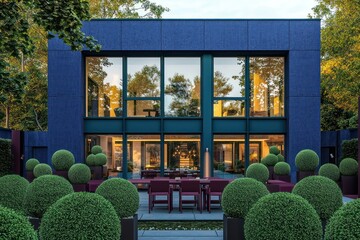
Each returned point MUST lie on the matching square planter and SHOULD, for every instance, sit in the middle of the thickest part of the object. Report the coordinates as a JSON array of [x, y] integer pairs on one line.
[[62, 173], [96, 172], [303, 174], [349, 184], [79, 187], [30, 176], [233, 228], [35, 222], [285, 178], [129, 228]]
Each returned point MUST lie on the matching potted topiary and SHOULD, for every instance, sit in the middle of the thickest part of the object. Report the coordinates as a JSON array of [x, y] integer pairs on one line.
[[79, 175], [237, 198], [348, 169], [274, 150], [269, 161], [29, 166], [258, 171], [282, 171], [124, 196], [62, 160], [95, 161], [42, 169], [331, 171], [280, 157], [282, 215], [306, 162], [12, 192], [80, 215]]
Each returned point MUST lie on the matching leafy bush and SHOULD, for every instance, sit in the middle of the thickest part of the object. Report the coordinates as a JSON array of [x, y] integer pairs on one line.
[[258, 171], [280, 157], [42, 169], [14, 225], [91, 160], [79, 173], [31, 163], [6, 162], [100, 159], [12, 191], [306, 160], [330, 170], [96, 149], [269, 160], [62, 159], [282, 168], [274, 150], [349, 148], [282, 216], [348, 167], [322, 193], [239, 196], [43, 192], [80, 215], [345, 223]]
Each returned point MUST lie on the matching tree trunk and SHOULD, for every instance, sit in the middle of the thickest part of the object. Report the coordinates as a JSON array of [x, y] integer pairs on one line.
[[7, 115]]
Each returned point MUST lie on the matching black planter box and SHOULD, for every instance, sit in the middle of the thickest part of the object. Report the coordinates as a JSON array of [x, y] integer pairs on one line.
[[35, 222], [233, 228], [304, 174], [62, 173], [129, 228], [30, 176], [285, 178], [96, 172], [271, 172], [79, 187], [349, 184]]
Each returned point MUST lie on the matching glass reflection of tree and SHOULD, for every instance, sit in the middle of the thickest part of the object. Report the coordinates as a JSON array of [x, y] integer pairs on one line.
[[221, 86]]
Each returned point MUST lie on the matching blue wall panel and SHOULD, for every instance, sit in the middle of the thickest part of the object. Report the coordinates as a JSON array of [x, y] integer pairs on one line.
[[143, 126], [5, 133], [103, 126], [108, 33], [229, 126], [267, 126], [305, 35], [145, 35], [182, 125]]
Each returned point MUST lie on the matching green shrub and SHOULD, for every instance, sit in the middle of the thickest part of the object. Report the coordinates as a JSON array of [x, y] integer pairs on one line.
[[306, 160], [122, 194], [322, 193], [282, 168], [269, 160], [62, 160], [14, 225], [274, 150], [330, 170], [42, 169], [6, 162], [90, 160], [31, 163], [258, 171], [239, 196], [282, 216], [348, 167], [79, 173], [96, 149], [43, 192], [349, 148], [12, 191], [345, 223], [100, 159], [80, 215], [280, 157]]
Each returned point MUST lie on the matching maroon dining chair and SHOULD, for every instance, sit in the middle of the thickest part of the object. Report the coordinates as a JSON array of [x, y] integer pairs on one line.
[[215, 188], [190, 187], [160, 187]]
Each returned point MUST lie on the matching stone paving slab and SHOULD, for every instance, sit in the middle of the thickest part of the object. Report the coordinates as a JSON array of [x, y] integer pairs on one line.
[[180, 234]]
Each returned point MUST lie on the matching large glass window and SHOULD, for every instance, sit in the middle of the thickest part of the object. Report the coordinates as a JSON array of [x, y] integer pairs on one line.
[[260, 146]]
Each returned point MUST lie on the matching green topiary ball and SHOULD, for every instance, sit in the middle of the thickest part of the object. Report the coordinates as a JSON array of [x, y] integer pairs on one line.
[[269, 160], [62, 160], [122, 194], [43, 192], [42, 169], [90, 160], [79, 173], [348, 167], [281, 158], [96, 149], [12, 191], [307, 160], [100, 159], [322, 193], [330, 170], [345, 223], [31, 163], [282, 168], [258, 171], [274, 150], [282, 216], [239, 196], [80, 215], [15, 226]]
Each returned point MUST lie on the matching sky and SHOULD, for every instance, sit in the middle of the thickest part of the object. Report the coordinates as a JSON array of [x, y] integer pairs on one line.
[[237, 8]]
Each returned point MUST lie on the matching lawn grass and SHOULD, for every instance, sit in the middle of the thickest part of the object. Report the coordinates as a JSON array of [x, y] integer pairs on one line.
[[180, 225]]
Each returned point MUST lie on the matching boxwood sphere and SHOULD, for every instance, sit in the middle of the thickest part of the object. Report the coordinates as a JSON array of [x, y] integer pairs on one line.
[[282, 168], [62, 159], [282, 216], [122, 194], [330, 170], [96, 149], [306, 160], [322, 193], [43, 192], [31, 163], [14, 225], [12, 191], [90, 160], [258, 171], [42, 169], [239, 195], [100, 159], [80, 215], [345, 223], [280, 157], [274, 150], [269, 160], [79, 173], [348, 167]]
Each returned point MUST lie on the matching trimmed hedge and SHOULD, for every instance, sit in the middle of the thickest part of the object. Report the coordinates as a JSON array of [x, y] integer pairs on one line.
[[96, 149], [12, 191], [306, 160], [281, 158], [80, 215], [239, 196], [269, 160], [282, 216], [100, 159], [6, 162], [91, 160], [330, 170], [345, 223], [322, 193], [282, 168], [122, 194], [274, 150], [62, 159], [258, 171], [79, 173], [349, 148], [42, 169], [31, 163], [348, 167], [15, 226], [43, 192]]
